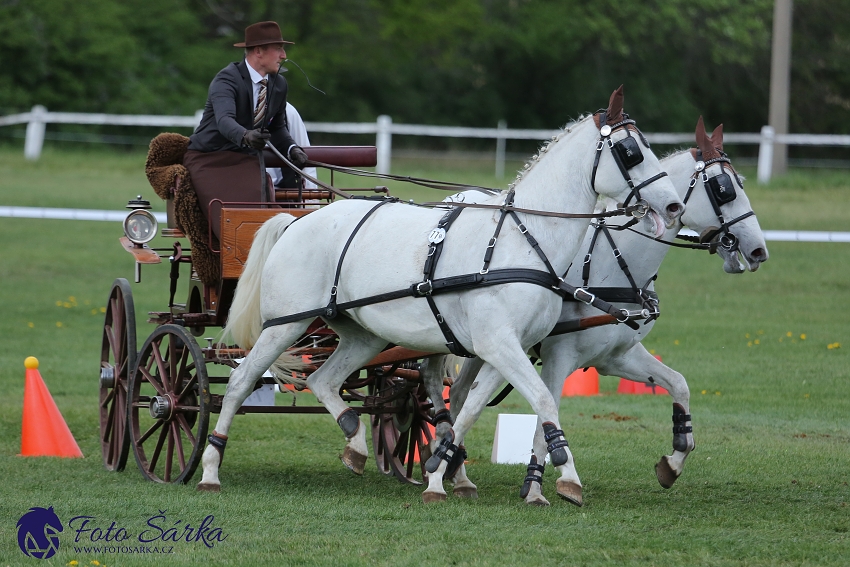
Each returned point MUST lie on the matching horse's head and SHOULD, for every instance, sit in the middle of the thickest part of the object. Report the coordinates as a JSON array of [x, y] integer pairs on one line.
[[718, 209], [626, 169]]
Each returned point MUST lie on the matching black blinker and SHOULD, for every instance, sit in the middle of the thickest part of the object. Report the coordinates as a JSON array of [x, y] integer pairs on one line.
[[722, 188], [629, 152]]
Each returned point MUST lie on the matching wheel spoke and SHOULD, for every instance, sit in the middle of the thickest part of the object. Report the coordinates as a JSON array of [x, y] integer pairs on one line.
[[158, 449], [179, 441], [160, 364], [169, 451], [109, 419], [108, 398], [184, 425], [150, 432], [193, 379], [151, 380]]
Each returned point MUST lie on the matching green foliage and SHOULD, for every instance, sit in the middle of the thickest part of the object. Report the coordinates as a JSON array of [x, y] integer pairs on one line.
[[535, 63]]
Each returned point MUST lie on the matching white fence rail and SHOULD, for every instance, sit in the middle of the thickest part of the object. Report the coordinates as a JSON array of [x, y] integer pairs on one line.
[[384, 128]]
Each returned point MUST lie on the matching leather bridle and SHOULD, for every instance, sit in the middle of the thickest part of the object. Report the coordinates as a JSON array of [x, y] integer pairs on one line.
[[720, 191], [626, 153]]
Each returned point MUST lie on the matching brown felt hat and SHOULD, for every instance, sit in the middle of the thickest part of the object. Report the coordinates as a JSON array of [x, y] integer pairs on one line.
[[262, 33]]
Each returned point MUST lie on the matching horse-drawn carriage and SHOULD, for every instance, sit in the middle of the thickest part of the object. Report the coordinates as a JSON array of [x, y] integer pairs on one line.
[[157, 399]]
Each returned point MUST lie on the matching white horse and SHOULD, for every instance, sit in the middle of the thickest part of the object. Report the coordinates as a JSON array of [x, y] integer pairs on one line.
[[304, 271], [616, 350]]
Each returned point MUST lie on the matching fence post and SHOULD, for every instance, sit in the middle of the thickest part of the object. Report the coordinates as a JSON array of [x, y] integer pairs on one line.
[[35, 133], [765, 163], [384, 141], [500, 150]]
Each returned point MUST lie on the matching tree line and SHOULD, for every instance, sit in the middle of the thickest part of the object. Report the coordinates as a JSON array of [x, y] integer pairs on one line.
[[534, 63]]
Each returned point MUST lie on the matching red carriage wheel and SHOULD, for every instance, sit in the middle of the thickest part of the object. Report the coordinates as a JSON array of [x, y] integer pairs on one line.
[[117, 361], [170, 405], [400, 437]]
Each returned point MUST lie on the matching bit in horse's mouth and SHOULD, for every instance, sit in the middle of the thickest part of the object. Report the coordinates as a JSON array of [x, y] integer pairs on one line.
[[657, 225]]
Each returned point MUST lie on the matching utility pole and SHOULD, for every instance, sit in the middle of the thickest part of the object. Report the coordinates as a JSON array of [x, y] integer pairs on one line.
[[780, 80]]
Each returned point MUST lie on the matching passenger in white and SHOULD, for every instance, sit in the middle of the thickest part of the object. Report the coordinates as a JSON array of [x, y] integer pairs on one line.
[[299, 133]]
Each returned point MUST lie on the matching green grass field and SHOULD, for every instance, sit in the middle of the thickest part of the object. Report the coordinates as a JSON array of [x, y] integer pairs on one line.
[[766, 485]]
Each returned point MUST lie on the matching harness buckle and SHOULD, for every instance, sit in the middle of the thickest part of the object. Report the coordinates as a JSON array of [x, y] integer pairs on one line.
[[590, 298], [610, 143], [439, 318], [484, 271], [427, 291], [522, 228], [599, 145], [625, 313], [617, 253], [432, 250], [333, 291], [492, 243]]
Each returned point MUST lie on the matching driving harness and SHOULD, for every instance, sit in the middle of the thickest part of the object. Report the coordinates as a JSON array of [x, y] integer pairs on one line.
[[626, 154]]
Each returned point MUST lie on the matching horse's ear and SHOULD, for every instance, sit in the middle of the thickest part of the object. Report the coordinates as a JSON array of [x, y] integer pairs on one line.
[[704, 143], [615, 106], [717, 138]]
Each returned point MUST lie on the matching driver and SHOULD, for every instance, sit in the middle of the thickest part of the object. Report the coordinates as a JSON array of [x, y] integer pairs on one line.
[[246, 107]]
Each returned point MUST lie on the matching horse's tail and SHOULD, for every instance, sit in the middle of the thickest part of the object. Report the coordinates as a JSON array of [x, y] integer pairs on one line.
[[244, 323]]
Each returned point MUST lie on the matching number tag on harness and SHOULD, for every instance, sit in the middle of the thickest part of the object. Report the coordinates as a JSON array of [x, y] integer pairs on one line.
[[629, 152], [722, 188], [437, 235]]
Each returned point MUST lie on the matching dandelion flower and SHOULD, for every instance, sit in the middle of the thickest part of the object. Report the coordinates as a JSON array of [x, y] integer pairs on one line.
[[750, 343], [58, 323], [95, 562], [73, 562], [103, 309], [30, 324], [803, 337], [789, 334], [760, 332], [717, 393], [805, 395], [676, 342], [747, 336], [704, 392], [58, 304], [757, 342]]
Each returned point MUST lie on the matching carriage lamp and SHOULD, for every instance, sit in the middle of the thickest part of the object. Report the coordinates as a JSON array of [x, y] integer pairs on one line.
[[140, 225]]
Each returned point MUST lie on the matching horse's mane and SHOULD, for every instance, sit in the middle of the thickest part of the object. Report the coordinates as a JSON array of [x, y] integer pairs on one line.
[[546, 146]]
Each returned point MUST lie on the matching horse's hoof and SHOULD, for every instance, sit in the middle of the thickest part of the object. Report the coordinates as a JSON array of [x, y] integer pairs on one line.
[[431, 497], [537, 500], [665, 473], [208, 487], [570, 491], [465, 492], [353, 460]]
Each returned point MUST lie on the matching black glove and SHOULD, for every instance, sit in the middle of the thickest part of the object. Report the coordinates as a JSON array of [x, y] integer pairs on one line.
[[255, 139], [298, 157]]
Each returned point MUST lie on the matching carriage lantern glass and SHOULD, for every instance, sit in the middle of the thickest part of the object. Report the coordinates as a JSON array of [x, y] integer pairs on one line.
[[140, 225]]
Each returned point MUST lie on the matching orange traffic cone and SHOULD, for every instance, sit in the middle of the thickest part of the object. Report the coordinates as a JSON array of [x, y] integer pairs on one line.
[[44, 432], [629, 387], [581, 383]]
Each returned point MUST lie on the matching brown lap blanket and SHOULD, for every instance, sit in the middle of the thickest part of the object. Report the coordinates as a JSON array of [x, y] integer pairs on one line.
[[170, 180], [226, 176]]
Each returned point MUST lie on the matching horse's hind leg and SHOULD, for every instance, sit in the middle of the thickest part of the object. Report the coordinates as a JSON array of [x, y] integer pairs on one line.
[[640, 366], [356, 347], [272, 342]]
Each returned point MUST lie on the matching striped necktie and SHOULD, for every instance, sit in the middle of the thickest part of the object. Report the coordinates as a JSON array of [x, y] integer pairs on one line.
[[260, 111]]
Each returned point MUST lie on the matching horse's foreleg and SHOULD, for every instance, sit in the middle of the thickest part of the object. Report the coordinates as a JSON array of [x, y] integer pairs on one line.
[[356, 347], [640, 366], [525, 379], [451, 452], [270, 345], [431, 373]]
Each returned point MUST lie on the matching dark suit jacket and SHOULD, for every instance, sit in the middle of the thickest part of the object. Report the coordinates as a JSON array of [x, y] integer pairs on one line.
[[229, 111]]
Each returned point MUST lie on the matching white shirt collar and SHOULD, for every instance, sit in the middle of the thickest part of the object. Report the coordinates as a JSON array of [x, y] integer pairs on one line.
[[255, 76]]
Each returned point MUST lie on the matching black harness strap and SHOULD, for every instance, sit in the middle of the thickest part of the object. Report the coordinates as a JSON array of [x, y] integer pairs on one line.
[[331, 310], [434, 251]]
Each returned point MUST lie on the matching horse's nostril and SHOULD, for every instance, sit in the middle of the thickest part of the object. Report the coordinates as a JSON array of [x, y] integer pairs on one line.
[[759, 254], [674, 209]]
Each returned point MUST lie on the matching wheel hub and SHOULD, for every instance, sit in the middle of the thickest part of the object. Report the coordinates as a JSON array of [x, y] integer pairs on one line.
[[107, 377], [161, 407]]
